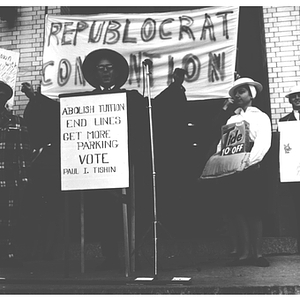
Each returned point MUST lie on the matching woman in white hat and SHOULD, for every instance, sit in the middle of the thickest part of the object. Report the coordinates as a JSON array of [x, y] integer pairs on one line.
[[107, 71], [244, 205]]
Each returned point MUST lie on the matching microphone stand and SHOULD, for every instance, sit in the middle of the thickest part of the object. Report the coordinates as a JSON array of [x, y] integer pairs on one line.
[[155, 222], [146, 65]]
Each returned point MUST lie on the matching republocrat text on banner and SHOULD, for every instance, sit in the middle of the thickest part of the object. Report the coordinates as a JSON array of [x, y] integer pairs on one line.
[[202, 41]]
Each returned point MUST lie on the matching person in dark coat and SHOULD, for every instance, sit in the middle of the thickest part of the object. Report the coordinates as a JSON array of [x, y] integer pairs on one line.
[[14, 177], [42, 116], [171, 150], [107, 71], [294, 98]]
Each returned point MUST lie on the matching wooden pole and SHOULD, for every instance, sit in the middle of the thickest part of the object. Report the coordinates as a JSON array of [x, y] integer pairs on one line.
[[155, 222], [82, 260], [132, 220], [66, 242], [126, 237]]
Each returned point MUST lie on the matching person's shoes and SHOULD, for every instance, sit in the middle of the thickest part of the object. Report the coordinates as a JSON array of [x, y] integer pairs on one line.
[[109, 264], [261, 262], [240, 262]]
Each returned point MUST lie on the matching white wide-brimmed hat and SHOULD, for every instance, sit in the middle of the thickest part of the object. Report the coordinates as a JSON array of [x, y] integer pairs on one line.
[[243, 81], [293, 90]]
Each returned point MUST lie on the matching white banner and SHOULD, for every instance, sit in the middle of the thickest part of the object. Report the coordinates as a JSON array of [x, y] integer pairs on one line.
[[289, 159], [201, 41], [9, 61], [94, 142]]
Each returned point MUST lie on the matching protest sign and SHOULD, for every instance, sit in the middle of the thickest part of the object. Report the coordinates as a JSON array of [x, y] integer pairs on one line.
[[94, 142], [201, 41], [9, 61], [235, 138], [289, 149]]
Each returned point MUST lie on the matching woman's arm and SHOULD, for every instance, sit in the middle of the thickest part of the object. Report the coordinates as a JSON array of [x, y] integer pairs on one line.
[[262, 142]]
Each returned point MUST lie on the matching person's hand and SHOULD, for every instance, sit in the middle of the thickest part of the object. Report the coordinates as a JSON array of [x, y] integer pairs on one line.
[[27, 89], [245, 162], [228, 102], [9, 106]]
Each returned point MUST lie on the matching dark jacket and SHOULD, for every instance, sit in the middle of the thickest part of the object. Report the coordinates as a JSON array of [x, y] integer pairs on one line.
[[138, 122], [42, 117], [14, 151], [288, 117]]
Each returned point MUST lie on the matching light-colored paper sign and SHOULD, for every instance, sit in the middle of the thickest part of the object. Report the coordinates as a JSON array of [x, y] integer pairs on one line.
[[289, 159], [9, 61], [94, 142]]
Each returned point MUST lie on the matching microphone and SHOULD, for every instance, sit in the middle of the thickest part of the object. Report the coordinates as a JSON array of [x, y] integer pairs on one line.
[[147, 62]]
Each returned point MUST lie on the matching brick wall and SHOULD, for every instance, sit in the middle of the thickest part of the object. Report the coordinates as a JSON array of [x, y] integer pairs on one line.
[[282, 31], [26, 36]]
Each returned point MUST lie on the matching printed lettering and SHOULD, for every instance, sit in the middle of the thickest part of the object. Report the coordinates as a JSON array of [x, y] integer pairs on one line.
[[54, 31], [135, 68], [72, 136], [95, 37], [165, 35], [192, 65], [45, 81], [76, 123], [186, 28], [112, 30], [148, 30], [208, 25], [226, 134], [66, 32], [224, 14], [96, 158], [170, 69], [126, 38], [79, 79], [216, 67], [81, 26], [64, 72]]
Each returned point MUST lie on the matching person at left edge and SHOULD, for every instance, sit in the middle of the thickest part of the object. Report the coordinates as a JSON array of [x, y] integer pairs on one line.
[[14, 176], [42, 119], [107, 71]]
